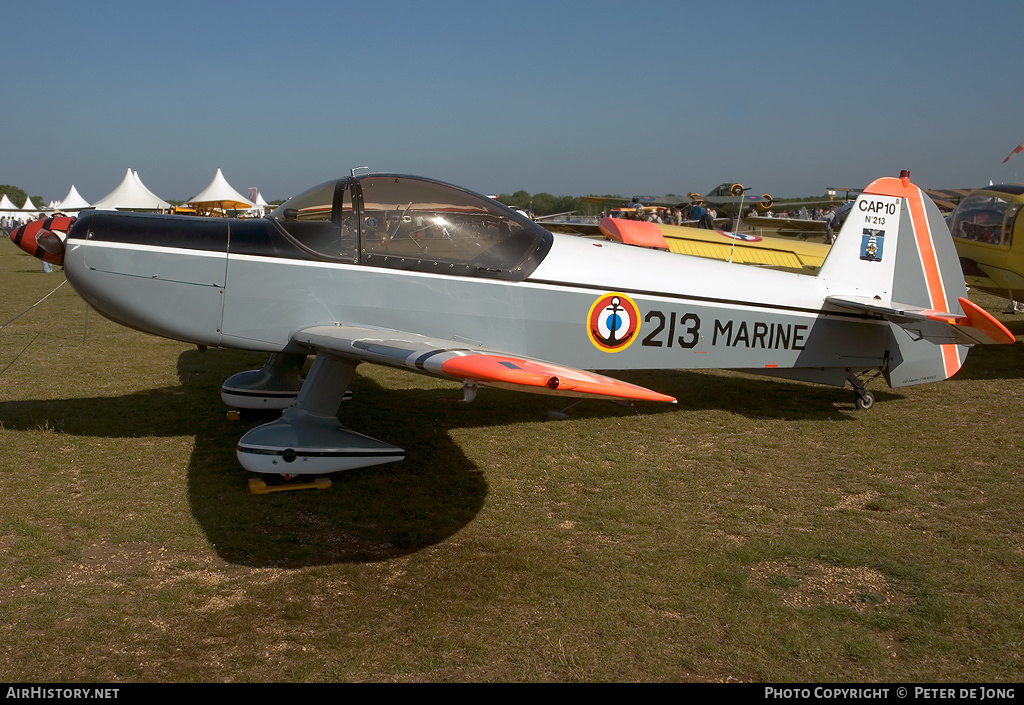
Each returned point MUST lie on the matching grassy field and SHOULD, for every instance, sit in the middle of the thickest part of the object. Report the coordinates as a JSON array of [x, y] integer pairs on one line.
[[756, 531]]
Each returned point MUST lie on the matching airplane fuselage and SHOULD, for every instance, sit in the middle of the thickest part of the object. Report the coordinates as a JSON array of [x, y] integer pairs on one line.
[[677, 311]]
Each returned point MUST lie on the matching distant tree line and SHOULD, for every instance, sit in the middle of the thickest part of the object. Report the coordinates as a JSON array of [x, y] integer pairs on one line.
[[546, 204], [18, 196]]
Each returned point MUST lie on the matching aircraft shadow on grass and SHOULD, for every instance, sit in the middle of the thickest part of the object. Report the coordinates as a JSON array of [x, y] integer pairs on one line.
[[379, 512]]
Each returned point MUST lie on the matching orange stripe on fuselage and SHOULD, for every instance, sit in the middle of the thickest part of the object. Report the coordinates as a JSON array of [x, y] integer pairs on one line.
[[890, 186]]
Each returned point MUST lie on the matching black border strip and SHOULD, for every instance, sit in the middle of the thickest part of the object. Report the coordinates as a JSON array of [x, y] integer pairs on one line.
[[257, 393], [324, 453]]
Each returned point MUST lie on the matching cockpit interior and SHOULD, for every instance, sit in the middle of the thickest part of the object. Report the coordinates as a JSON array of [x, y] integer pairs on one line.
[[407, 222]]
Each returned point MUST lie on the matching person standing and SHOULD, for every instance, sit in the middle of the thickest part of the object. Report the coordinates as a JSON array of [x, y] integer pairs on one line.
[[830, 223]]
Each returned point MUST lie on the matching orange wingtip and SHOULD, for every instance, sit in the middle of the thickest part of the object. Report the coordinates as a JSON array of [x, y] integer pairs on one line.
[[544, 376], [633, 232], [985, 322]]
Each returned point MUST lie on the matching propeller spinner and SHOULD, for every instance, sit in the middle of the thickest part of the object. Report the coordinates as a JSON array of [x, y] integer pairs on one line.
[[40, 239]]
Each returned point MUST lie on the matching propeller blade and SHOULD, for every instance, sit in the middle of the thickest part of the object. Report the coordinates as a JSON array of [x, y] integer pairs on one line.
[[52, 244]]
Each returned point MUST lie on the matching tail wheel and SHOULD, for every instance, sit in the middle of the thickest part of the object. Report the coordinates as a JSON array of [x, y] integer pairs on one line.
[[865, 400]]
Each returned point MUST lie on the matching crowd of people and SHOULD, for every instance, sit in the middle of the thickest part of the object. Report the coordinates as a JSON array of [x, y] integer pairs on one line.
[[703, 216], [9, 223]]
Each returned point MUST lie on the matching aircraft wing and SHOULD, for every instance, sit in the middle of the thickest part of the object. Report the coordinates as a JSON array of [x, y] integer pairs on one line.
[[467, 364], [974, 326], [787, 225], [947, 199]]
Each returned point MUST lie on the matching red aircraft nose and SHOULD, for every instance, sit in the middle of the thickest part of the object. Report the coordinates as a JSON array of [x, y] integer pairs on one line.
[[39, 238]]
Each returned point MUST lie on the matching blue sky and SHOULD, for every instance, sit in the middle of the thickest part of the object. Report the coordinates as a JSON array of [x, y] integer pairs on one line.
[[571, 98]]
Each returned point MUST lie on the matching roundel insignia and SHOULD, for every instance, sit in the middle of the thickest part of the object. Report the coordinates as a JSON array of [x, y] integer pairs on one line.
[[613, 322], [739, 236]]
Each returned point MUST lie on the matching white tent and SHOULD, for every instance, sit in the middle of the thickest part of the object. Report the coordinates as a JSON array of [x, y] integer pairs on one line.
[[73, 202], [135, 175], [261, 206], [219, 195], [131, 194], [9, 213], [29, 210]]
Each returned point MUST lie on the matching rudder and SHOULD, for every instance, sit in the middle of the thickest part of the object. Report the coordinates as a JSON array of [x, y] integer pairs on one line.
[[895, 247]]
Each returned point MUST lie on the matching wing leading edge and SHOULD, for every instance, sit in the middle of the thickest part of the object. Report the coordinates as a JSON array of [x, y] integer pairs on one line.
[[469, 365]]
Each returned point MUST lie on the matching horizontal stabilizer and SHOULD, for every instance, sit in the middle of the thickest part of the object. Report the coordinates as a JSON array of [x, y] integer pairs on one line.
[[972, 327], [457, 361]]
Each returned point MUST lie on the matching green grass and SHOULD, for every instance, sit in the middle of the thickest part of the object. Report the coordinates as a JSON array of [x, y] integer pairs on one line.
[[757, 531]]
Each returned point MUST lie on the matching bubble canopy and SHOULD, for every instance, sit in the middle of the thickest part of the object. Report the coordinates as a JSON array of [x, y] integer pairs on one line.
[[409, 222]]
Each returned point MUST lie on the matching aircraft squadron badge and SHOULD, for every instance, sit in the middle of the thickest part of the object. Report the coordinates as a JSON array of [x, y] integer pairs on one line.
[[613, 322], [871, 245], [743, 237]]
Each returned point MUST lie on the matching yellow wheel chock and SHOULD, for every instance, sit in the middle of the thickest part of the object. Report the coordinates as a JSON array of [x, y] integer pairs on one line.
[[260, 487]]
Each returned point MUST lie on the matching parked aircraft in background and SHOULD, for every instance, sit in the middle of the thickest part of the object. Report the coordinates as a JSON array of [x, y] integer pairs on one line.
[[733, 194], [801, 225], [787, 254], [726, 195], [945, 198], [728, 199], [570, 223], [989, 238], [421, 275]]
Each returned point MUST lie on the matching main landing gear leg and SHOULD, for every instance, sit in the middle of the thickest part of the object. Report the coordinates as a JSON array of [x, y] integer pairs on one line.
[[274, 386], [865, 399]]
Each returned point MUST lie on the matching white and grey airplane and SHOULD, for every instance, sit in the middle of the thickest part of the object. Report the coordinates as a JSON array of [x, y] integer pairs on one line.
[[414, 273]]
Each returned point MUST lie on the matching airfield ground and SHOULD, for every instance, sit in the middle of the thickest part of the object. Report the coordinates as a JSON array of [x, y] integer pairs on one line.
[[756, 531]]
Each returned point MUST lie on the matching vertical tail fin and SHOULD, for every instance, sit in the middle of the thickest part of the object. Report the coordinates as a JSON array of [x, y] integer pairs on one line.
[[895, 247]]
